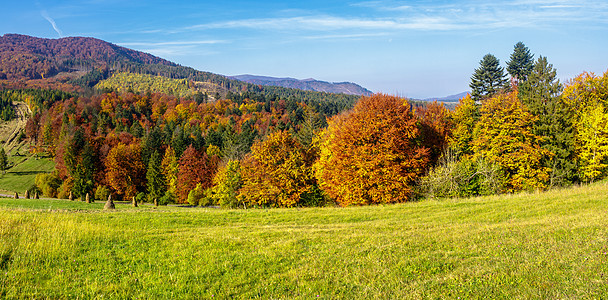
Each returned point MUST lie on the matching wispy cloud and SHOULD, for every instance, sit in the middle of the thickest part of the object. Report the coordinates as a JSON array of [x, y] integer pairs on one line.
[[45, 15], [174, 43]]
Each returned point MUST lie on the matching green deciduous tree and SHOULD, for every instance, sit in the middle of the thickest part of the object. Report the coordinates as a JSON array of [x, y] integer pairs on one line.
[[488, 79]]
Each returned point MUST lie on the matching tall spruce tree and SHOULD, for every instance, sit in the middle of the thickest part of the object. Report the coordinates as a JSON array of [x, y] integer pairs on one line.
[[521, 63], [541, 94], [488, 79], [155, 177]]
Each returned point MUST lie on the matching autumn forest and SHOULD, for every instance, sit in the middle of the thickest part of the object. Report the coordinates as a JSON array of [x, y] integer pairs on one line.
[[127, 124]]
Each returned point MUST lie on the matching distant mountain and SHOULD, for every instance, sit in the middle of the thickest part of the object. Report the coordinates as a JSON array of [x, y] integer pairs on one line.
[[309, 84], [450, 98], [26, 57], [75, 63]]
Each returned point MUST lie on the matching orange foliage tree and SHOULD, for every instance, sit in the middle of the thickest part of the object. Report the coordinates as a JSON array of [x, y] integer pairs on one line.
[[194, 167], [436, 127], [373, 153], [277, 172], [125, 171]]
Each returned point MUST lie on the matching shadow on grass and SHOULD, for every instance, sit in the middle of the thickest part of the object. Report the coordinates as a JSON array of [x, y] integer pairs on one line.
[[20, 173]]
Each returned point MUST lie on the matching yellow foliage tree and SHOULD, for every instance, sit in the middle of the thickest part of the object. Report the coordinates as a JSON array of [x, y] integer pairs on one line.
[[504, 135], [592, 142], [276, 172], [587, 98], [465, 116]]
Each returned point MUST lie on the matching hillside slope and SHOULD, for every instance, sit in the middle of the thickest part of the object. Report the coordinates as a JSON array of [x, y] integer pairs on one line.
[[310, 84]]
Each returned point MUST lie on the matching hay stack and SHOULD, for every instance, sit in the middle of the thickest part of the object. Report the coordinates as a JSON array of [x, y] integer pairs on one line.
[[16, 195], [27, 194], [134, 202], [109, 204], [36, 195], [87, 198], [71, 197]]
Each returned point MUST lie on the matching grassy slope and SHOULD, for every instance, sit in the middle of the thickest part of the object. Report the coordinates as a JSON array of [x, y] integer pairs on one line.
[[547, 245], [21, 176]]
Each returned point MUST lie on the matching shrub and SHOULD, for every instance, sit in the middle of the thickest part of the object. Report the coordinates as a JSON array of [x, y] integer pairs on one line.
[[102, 193], [48, 183], [463, 177]]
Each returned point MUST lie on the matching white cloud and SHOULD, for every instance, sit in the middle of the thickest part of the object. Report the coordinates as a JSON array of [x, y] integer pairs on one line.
[[45, 15]]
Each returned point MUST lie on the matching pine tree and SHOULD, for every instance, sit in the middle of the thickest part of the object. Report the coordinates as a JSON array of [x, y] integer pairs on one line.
[[155, 178], [521, 63], [488, 79], [541, 94]]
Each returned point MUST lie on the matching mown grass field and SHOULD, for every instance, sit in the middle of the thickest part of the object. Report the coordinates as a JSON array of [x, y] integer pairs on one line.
[[542, 245]]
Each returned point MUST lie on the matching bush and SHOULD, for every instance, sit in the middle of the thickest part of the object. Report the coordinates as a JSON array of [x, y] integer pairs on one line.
[[167, 198], [200, 196], [463, 177], [141, 197], [48, 183], [64, 190], [102, 193]]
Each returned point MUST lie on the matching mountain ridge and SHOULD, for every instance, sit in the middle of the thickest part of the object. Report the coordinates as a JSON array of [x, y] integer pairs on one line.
[[309, 84]]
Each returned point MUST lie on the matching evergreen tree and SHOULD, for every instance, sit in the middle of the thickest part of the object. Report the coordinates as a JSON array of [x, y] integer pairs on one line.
[[84, 171], [155, 177], [541, 94], [521, 63], [488, 79], [3, 160]]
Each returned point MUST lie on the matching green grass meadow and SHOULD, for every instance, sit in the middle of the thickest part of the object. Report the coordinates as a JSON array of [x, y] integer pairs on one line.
[[551, 245], [22, 175]]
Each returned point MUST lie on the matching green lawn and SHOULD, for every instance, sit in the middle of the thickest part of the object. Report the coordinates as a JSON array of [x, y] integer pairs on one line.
[[543, 245]]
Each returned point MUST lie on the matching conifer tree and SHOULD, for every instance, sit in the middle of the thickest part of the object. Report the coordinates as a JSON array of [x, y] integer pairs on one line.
[[521, 63], [155, 178], [541, 94], [3, 160], [488, 79]]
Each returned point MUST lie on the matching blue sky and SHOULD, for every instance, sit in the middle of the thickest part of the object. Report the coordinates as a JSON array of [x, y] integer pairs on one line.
[[415, 49]]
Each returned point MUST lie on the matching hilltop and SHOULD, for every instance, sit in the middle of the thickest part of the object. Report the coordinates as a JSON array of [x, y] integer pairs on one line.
[[309, 84]]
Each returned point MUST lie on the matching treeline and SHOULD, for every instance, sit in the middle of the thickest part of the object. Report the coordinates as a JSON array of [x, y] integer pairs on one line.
[[527, 134]]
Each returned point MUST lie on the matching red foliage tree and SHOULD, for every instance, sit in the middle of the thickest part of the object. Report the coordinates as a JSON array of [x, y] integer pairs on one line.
[[194, 168]]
